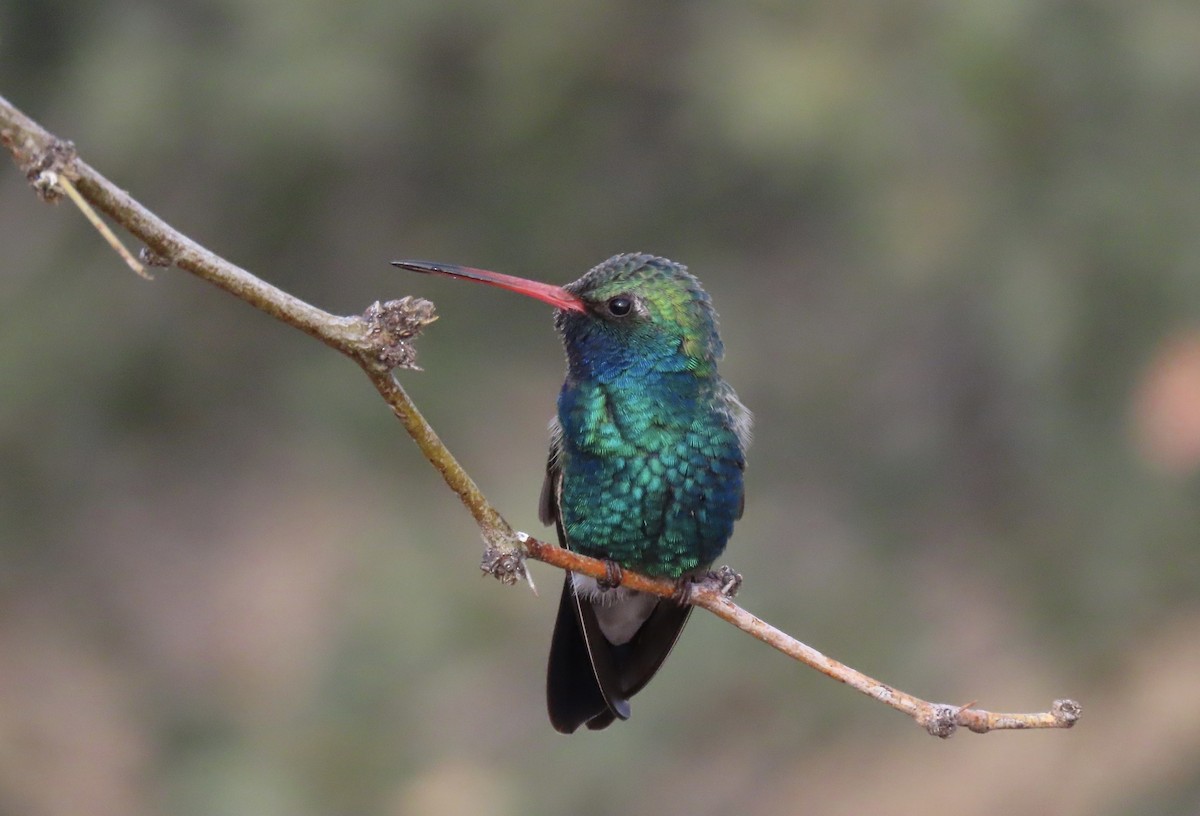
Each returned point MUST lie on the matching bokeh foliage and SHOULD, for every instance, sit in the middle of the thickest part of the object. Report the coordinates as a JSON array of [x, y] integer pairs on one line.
[[955, 249]]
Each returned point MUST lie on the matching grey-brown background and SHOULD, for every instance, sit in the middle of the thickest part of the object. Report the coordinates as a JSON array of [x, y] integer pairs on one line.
[[955, 247]]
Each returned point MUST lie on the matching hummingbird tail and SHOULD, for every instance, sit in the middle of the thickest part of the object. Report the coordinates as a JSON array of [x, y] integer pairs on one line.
[[575, 694], [589, 679]]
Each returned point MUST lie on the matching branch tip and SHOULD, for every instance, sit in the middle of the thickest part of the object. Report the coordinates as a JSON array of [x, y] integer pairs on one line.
[[1066, 712]]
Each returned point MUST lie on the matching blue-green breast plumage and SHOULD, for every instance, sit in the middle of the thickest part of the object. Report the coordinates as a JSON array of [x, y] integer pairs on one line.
[[651, 472], [651, 441]]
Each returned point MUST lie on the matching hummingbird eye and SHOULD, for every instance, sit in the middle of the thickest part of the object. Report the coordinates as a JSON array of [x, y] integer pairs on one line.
[[620, 305]]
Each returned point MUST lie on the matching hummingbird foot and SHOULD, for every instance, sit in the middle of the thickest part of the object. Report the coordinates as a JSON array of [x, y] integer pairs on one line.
[[612, 576], [683, 589]]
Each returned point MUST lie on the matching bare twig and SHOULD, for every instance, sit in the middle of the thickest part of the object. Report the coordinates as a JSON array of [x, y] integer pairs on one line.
[[938, 719], [113, 241], [380, 341]]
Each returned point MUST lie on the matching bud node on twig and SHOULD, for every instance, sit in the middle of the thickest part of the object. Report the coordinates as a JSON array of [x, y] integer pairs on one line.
[[43, 165], [505, 565], [150, 257], [726, 580], [392, 326], [942, 720]]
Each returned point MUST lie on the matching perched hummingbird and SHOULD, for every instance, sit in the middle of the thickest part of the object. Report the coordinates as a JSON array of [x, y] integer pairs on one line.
[[645, 467]]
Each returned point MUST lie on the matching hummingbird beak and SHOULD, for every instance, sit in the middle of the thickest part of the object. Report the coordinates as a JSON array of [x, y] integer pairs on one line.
[[554, 295]]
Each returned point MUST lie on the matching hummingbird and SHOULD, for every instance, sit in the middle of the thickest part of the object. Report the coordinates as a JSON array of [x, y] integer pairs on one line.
[[647, 454]]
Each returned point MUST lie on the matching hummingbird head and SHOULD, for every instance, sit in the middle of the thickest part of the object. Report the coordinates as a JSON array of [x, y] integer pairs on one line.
[[642, 311], [631, 313]]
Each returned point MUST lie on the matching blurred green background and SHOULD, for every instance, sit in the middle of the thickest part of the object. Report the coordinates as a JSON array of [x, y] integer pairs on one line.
[[955, 247]]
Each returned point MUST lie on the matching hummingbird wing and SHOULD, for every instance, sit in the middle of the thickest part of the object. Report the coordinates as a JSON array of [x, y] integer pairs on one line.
[[740, 419], [548, 501], [581, 680], [595, 664]]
